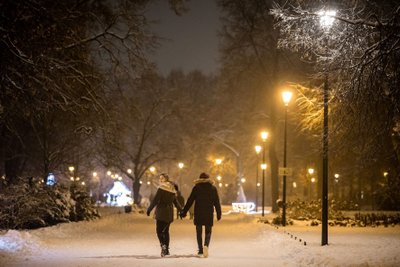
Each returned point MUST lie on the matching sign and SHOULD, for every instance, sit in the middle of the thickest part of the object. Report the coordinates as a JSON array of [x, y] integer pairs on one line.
[[285, 171]]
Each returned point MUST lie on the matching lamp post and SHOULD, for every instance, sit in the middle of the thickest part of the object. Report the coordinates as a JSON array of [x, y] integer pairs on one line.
[[326, 20], [258, 150], [286, 96], [264, 136], [180, 165]]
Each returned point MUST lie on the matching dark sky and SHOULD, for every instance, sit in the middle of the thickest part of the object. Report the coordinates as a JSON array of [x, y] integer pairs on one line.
[[192, 38]]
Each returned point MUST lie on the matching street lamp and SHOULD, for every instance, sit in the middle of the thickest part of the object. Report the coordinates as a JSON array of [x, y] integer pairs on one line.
[[286, 97], [258, 150], [180, 165], [264, 136], [327, 18]]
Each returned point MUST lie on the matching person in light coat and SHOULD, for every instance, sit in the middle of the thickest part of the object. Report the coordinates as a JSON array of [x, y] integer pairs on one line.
[[164, 202]]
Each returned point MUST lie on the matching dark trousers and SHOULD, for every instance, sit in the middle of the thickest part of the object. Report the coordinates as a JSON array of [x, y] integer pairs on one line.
[[162, 229], [199, 234]]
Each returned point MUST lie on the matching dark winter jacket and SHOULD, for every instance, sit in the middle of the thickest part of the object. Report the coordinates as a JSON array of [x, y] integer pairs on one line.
[[164, 200], [205, 196]]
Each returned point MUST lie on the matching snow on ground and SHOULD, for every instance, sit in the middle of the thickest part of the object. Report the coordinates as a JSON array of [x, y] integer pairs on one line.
[[120, 239]]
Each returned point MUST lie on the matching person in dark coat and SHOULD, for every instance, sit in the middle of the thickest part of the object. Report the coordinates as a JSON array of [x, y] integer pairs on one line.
[[205, 197], [164, 200]]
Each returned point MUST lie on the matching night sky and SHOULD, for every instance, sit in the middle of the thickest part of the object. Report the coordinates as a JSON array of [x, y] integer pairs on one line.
[[192, 38]]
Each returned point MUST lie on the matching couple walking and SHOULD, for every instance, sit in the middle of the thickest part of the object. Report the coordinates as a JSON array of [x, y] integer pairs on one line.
[[205, 197]]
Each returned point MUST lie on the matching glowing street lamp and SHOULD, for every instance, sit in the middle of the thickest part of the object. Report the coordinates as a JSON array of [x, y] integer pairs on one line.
[[180, 165], [286, 96], [264, 137], [258, 150], [327, 18], [218, 161], [152, 169]]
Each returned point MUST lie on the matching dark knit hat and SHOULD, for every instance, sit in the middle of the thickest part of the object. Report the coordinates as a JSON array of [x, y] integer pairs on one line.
[[204, 175]]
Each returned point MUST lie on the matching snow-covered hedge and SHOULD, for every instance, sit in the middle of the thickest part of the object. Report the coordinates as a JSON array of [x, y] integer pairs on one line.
[[27, 207], [311, 211]]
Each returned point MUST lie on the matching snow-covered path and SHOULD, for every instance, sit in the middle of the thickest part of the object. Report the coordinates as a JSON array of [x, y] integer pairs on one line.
[[237, 240]]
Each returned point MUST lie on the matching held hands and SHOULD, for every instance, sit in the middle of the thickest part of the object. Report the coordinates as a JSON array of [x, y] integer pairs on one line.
[[182, 214]]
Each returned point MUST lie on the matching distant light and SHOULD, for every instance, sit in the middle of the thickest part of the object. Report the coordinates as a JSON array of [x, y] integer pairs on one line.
[[83, 183], [243, 180], [51, 179], [71, 178], [385, 174], [181, 165], [264, 136], [294, 185], [218, 161], [140, 182], [109, 173], [310, 170], [77, 179], [313, 180], [71, 168], [337, 175], [219, 178], [258, 149], [129, 171], [326, 18], [148, 183], [258, 184], [152, 169], [226, 185], [264, 166], [220, 184]]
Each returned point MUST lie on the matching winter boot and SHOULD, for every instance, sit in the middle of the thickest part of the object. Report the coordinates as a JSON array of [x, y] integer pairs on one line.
[[164, 250], [205, 251], [167, 251], [200, 252]]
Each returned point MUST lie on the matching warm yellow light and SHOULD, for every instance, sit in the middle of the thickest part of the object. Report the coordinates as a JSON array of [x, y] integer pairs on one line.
[[109, 173], [218, 161], [294, 184], [83, 183], [71, 178], [219, 177], [264, 136], [258, 149], [181, 165], [310, 170], [337, 175], [385, 174], [243, 180], [327, 17], [140, 182], [71, 168], [264, 166], [152, 169], [258, 184], [220, 184], [226, 185], [148, 182], [313, 180], [286, 96], [129, 171], [77, 179], [94, 174]]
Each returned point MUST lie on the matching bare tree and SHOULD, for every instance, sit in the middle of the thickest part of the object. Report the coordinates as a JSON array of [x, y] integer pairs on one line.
[[361, 53]]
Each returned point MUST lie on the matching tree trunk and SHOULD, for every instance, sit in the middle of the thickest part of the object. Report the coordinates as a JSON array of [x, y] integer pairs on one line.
[[136, 190]]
